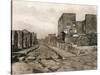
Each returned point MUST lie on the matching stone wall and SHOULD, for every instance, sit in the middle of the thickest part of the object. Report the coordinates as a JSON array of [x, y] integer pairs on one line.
[[91, 23], [68, 25], [22, 39], [26, 39], [66, 21], [80, 26]]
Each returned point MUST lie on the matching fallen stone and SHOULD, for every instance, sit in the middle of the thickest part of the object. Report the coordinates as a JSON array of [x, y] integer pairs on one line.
[[21, 68], [50, 64]]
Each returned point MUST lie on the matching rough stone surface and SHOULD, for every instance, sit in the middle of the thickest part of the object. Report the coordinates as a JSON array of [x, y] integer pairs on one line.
[[45, 59]]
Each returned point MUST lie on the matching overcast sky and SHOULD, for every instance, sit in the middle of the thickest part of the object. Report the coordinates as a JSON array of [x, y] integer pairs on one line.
[[42, 18]]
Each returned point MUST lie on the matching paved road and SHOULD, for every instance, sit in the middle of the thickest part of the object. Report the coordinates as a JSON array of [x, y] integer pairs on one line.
[[43, 52], [47, 51]]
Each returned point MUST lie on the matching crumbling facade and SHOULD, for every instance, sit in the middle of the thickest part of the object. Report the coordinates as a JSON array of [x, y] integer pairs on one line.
[[66, 22], [68, 27]]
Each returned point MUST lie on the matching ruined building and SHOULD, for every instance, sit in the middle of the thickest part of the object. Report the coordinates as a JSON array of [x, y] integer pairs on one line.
[[91, 23], [22, 39], [68, 27]]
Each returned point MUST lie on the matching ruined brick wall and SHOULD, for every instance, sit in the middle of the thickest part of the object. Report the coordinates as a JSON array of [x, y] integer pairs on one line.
[[89, 28], [19, 39], [80, 26], [66, 25], [22, 39], [52, 39], [67, 20], [33, 39], [26, 39], [91, 23], [14, 40]]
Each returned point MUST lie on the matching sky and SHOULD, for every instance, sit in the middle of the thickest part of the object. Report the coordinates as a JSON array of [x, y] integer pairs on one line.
[[42, 18]]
